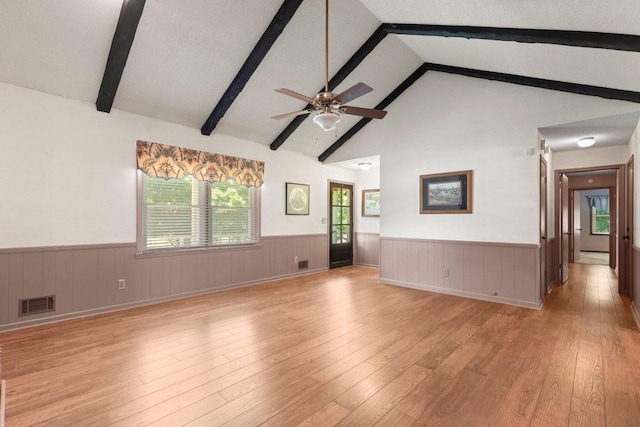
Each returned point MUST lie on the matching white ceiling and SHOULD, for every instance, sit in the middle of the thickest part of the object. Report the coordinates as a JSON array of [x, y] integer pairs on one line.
[[186, 54]]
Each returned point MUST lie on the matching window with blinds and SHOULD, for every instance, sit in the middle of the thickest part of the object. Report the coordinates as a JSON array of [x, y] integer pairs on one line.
[[187, 213]]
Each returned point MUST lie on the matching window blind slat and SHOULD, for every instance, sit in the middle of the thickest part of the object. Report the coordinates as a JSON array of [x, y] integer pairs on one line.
[[186, 213]]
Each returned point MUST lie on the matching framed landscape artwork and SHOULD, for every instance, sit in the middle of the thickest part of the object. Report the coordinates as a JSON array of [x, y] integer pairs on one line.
[[371, 202], [446, 193], [297, 198]]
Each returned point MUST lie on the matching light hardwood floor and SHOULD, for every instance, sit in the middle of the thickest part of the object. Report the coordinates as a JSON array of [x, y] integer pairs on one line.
[[336, 348]]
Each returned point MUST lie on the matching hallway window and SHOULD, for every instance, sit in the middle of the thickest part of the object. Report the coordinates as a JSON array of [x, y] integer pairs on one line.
[[600, 219]]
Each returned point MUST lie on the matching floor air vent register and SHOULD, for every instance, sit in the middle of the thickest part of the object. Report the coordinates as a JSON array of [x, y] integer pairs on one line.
[[37, 305]]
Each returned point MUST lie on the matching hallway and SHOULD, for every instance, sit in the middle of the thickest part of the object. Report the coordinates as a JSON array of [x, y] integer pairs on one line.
[[598, 347]]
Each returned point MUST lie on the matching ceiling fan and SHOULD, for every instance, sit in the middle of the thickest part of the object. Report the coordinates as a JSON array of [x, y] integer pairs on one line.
[[326, 105]]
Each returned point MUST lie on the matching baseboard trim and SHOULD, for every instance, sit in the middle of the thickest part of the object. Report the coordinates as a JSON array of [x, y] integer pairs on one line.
[[367, 265], [550, 287], [636, 313], [126, 306], [465, 294]]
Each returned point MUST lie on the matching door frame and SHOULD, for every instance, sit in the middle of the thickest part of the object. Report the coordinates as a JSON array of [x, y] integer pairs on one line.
[[544, 224], [629, 226], [617, 255], [572, 224], [563, 197]]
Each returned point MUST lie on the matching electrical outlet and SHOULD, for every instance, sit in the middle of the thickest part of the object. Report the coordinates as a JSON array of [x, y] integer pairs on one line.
[[446, 272], [493, 293], [121, 284], [295, 260]]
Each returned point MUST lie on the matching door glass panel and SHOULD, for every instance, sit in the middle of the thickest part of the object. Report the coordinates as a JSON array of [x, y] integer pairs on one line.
[[335, 235], [336, 218], [345, 215], [336, 196], [346, 197], [346, 233], [341, 234]]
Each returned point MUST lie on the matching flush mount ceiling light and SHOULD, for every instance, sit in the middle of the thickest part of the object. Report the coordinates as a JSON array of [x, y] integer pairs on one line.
[[364, 165], [586, 141]]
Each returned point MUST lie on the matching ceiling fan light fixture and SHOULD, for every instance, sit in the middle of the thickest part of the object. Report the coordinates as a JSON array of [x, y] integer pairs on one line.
[[586, 141], [327, 120]]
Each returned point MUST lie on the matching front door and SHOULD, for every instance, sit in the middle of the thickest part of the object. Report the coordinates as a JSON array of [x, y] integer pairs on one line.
[[341, 225]]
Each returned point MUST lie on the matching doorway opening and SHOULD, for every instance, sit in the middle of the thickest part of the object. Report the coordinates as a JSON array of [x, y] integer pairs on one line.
[[590, 204], [591, 218]]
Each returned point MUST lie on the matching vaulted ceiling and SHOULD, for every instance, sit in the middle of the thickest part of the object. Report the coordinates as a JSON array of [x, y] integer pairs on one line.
[[214, 64]]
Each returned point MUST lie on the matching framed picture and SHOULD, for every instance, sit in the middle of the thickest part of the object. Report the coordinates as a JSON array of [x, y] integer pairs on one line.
[[446, 193], [371, 202], [297, 197]]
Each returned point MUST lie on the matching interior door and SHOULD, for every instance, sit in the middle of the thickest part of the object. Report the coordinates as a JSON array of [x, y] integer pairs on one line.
[[576, 226], [544, 280], [341, 225], [564, 228], [628, 234]]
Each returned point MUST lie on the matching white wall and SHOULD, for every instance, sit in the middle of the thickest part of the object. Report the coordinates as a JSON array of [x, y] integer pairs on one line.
[[68, 175], [448, 123], [588, 241], [589, 157]]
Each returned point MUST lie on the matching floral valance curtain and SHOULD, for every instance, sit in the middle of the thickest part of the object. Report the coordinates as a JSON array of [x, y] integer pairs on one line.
[[601, 203], [167, 161]]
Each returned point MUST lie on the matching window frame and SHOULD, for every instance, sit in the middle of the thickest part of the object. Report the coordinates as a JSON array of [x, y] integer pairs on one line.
[[592, 222], [142, 253]]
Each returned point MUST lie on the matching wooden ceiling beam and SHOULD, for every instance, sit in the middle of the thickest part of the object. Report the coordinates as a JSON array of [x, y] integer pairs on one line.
[[624, 42], [121, 43], [580, 89], [590, 39], [260, 50]]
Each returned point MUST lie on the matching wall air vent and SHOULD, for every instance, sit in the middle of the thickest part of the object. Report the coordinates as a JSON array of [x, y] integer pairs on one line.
[[37, 305], [303, 264]]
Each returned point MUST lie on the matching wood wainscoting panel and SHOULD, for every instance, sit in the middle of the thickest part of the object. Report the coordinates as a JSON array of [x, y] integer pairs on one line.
[[4, 289], [368, 249], [552, 260], [490, 271], [84, 279], [635, 300]]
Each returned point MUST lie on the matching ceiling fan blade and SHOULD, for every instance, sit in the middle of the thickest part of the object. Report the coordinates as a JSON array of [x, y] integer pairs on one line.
[[295, 113], [364, 112], [295, 95], [352, 93]]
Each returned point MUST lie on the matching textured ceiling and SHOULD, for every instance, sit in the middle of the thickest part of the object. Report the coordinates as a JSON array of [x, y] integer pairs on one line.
[[185, 55]]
